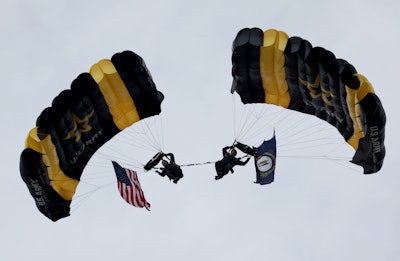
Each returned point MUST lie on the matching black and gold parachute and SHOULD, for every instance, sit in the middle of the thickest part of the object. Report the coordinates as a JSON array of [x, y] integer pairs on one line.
[[113, 96], [270, 67]]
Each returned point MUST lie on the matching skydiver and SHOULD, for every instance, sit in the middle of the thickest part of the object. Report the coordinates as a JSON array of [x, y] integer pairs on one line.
[[170, 169], [228, 161]]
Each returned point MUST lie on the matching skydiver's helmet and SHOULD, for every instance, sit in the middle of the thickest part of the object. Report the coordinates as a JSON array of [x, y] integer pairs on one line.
[[233, 152], [164, 162]]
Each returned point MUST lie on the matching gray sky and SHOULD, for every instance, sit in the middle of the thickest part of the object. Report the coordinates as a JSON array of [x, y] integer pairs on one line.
[[315, 210]]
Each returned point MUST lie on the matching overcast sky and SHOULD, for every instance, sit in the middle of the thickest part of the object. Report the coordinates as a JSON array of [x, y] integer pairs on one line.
[[315, 210]]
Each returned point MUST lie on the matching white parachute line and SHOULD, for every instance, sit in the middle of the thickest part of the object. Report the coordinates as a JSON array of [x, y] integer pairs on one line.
[[132, 145], [161, 133], [342, 143], [109, 153], [136, 139], [156, 132], [312, 139], [311, 157], [147, 134], [342, 161], [250, 116], [318, 131], [123, 158], [80, 199], [263, 129], [303, 136], [292, 124], [298, 135], [96, 176], [240, 123]]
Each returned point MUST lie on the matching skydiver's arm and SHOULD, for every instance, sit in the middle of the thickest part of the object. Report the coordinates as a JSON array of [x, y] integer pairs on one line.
[[170, 156], [162, 173], [242, 163], [225, 150]]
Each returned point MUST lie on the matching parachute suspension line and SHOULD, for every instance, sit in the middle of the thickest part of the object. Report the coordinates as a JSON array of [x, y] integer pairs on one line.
[[147, 134], [307, 136], [143, 135], [302, 134], [80, 198], [342, 161], [292, 127], [297, 134], [262, 129], [156, 133], [97, 175], [234, 118], [113, 152], [242, 126], [161, 133], [248, 124], [135, 145]]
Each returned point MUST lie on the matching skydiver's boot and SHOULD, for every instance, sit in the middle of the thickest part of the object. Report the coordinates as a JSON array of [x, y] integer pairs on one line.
[[218, 177]]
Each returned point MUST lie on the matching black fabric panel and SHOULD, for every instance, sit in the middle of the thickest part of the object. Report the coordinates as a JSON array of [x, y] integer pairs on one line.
[[45, 124], [85, 85], [292, 76], [247, 80], [34, 174], [255, 41], [330, 82], [371, 152], [67, 133], [345, 70], [311, 69], [137, 79], [303, 51], [304, 63], [240, 72]]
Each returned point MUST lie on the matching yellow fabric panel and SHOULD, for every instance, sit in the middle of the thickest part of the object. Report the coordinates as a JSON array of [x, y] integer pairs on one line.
[[62, 184], [33, 141], [272, 61], [117, 97], [365, 87], [353, 99]]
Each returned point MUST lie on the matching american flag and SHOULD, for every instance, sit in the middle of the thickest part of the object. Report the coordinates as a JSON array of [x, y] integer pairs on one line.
[[129, 187]]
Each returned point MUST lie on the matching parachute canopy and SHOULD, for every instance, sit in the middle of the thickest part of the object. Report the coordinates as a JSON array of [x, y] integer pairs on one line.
[[270, 67], [113, 96]]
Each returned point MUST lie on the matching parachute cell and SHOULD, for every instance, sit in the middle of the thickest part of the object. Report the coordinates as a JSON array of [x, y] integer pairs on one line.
[[113, 96], [270, 67]]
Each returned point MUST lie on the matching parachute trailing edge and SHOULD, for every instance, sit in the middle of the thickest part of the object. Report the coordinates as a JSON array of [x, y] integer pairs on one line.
[[270, 67], [114, 95]]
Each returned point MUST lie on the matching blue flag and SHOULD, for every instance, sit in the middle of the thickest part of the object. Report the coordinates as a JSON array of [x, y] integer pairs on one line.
[[265, 160]]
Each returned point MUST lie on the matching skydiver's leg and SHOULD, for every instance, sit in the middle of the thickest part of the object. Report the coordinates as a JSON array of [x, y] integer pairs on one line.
[[227, 168], [218, 169], [221, 171]]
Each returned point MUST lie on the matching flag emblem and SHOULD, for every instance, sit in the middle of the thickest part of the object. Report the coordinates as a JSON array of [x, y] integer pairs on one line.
[[265, 160]]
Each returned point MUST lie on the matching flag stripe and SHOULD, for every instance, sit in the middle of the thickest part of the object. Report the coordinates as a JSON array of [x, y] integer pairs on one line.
[[129, 187]]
